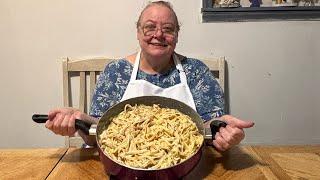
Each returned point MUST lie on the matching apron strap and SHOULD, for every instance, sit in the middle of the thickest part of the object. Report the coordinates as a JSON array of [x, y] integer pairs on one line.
[[135, 67], [183, 77]]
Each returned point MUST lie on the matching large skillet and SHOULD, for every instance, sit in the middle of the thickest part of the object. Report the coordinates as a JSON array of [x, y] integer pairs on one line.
[[121, 171]]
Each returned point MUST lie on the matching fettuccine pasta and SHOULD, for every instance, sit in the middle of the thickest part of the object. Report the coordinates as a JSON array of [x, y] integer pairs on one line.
[[150, 137]]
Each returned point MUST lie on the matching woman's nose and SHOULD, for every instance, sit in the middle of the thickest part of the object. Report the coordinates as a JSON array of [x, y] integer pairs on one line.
[[158, 33]]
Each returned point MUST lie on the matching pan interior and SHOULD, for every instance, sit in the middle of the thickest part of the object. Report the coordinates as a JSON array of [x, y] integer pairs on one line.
[[163, 102]]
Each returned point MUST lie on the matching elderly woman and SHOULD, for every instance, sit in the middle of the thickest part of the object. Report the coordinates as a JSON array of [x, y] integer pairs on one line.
[[156, 70]]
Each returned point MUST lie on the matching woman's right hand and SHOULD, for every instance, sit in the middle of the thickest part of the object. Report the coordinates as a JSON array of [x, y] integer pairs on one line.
[[62, 120]]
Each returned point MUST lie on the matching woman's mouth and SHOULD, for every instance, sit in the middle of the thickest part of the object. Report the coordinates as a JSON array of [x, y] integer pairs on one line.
[[159, 44]]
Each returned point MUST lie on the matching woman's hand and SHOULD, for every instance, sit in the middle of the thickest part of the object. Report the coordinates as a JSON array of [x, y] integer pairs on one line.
[[232, 134], [62, 121]]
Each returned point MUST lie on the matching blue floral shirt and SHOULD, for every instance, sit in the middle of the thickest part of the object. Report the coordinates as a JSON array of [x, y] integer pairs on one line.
[[112, 83]]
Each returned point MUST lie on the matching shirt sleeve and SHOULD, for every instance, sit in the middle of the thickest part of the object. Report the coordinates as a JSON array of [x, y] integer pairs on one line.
[[110, 87], [207, 93]]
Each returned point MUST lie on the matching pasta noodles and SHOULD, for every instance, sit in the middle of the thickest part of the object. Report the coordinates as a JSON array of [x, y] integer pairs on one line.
[[150, 137]]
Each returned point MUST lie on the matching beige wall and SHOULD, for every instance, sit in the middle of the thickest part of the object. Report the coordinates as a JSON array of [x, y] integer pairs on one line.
[[273, 66]]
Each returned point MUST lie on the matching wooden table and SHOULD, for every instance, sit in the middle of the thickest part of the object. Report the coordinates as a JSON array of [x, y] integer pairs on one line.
[[241, 162], [29, 163]]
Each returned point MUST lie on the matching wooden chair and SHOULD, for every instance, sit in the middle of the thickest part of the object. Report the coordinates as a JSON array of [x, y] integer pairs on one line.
[[89, 69], [217, 67]]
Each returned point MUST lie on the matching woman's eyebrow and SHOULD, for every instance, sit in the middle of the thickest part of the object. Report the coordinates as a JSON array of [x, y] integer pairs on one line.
[[168, 24], [151, 21], [162, 24]]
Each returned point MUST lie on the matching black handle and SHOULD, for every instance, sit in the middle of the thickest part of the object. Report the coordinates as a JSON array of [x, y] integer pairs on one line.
[[83, 126], [39, 118], [215, 125], [79, 124]]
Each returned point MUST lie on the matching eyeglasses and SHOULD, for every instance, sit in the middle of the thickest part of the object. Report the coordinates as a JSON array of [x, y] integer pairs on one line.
[[151, 29]]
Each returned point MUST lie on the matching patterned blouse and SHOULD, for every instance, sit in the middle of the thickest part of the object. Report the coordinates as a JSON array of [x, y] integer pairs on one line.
[[112, 83]]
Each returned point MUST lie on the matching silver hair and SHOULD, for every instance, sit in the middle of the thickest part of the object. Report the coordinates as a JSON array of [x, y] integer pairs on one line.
[[161, 3]]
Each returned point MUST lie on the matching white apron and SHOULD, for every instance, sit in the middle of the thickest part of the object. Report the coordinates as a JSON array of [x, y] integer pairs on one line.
[[180, 92]]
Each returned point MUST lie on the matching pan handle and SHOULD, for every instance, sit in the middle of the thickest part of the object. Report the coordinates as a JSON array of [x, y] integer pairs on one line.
[[79, 124], [215, 125]]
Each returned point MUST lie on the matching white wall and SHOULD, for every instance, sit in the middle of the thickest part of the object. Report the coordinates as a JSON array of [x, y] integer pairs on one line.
[[273, 66]]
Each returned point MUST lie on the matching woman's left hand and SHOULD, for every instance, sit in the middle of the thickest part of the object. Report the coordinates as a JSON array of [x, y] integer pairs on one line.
[[232, 134]]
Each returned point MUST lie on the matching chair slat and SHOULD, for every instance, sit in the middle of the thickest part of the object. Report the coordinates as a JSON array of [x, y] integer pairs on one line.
[[65, 71], [82, 91], [222, 72], [92, 83]]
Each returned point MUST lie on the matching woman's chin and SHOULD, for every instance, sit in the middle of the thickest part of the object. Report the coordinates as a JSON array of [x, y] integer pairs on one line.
[[159, 51]]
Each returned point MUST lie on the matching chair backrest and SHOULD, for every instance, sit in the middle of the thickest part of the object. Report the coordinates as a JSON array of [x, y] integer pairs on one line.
[[217, 67], [92, 68], [81, 68]]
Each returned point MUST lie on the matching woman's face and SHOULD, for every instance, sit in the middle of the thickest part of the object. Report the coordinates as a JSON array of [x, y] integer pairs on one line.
[[157, 33]]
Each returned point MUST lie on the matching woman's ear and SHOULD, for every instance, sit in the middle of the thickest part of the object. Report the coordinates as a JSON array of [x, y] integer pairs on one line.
[[137, 34]]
